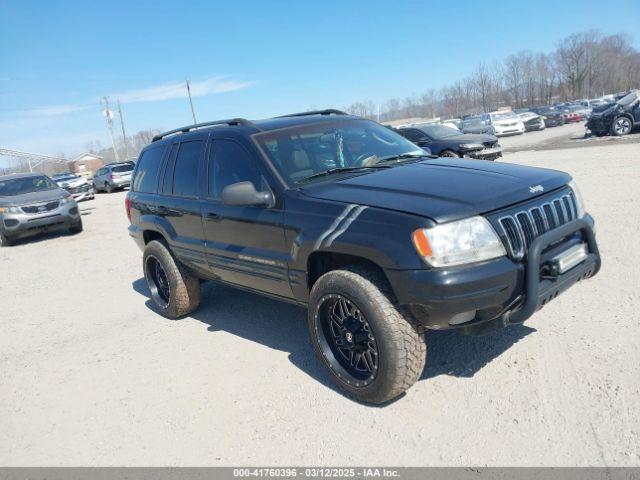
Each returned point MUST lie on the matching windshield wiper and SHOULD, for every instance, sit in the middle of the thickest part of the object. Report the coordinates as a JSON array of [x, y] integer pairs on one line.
[[404, 156], [340, 170]]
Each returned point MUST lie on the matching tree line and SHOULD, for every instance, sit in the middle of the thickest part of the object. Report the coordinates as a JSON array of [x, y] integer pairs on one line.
[[584, 65]]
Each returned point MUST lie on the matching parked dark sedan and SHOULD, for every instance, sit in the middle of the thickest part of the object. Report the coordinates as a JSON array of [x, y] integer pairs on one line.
[[445, 141], [551, 116]]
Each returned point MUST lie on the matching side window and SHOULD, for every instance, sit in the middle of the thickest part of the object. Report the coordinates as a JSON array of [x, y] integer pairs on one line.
[[185, 173], [169, 169], [230, 163], [146, 177], [412, 135]]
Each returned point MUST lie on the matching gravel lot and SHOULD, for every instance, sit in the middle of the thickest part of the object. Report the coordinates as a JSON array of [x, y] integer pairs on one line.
[[90, 375]]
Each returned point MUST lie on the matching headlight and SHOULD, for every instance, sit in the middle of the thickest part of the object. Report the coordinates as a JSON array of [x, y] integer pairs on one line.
[[9, 209], [66, 200], [544, 118], [456, 243], [578, 196], [471, 146]]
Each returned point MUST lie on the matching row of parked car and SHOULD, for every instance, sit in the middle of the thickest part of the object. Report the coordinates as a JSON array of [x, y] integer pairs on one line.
[[109, 178], [32, 203], [518, 121]]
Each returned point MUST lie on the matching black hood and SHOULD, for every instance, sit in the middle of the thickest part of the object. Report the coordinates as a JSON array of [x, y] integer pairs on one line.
[[470, 138], [442, 189]]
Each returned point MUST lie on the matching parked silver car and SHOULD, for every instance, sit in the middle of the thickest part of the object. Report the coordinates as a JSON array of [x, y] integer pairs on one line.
[[32, 203], [113, 176]]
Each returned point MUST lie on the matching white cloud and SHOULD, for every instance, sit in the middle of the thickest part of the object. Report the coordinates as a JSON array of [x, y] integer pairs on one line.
[[55, 110], [173, 90]]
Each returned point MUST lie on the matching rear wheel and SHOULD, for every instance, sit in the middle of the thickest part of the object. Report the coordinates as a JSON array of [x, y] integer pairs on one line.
[[621, 126], [174, 290], [108, 188], [369, 348]]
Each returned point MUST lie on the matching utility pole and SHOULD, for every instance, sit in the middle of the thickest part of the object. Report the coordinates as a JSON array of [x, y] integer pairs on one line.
[[108, 115], [124, 135], [193, 112]]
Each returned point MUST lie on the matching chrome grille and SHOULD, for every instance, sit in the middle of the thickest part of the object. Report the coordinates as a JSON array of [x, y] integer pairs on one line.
[[521, 228], [41, 208]]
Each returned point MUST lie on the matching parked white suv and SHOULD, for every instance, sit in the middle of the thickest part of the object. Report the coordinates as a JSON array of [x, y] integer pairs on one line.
[[504, 123]]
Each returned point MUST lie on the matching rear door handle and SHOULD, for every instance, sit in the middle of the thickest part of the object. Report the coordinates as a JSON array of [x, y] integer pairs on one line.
[[212, 217]]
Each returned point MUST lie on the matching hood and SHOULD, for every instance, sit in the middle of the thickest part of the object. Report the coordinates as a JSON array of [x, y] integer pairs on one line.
[[442, 189], [525, 117], [76, 182], [34, 197], [507, 122], [471, 138]]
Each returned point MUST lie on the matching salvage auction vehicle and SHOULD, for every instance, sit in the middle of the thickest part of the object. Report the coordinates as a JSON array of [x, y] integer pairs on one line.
[[78, 187], [618, 118], [504, 123], [346, 217], [31, 203], [445, 141]]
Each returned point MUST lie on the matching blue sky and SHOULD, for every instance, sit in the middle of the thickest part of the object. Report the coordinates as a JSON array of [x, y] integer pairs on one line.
[[252, 58]]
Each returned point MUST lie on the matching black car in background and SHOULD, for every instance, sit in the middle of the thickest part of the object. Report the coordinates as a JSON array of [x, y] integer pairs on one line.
[[476, 125], [445, 141], [618, 118], [551, 116]]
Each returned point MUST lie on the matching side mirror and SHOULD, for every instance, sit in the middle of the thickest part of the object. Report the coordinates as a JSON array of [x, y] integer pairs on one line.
[[245, 194]]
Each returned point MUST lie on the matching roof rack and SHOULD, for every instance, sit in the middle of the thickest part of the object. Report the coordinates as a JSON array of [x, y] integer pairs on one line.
[[188, 128], [328, 111]]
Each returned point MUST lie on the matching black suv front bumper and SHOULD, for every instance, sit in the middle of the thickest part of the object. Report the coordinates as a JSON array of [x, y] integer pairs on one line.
[[500, 290]]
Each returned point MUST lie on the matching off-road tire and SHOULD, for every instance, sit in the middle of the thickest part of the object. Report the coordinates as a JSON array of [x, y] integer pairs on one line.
[[184, 295], [76, 228], [449, 154], [402, 350]]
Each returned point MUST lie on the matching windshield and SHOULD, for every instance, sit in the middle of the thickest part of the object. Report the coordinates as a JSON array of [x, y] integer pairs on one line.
[[503, 116], [439, 131], [122, 168], [20, 186], [306, 150], [472, 122], [64, 177], [627, 99]]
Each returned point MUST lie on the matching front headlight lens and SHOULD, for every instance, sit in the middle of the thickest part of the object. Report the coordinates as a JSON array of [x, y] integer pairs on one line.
[[471, 146], [456, 243], [578, 196], [9, 209]]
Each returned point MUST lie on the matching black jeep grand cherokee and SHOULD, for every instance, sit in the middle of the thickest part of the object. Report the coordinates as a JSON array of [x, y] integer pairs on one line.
[[352, 220]]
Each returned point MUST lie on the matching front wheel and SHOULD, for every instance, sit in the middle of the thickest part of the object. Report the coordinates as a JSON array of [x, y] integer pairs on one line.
[[174, 290], [621, 126], [369, 348], [4, 241], [108, 188], [449, 153], [76, 228]]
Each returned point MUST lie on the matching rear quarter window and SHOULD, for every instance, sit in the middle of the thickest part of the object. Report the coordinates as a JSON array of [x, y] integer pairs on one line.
[[146, 176]]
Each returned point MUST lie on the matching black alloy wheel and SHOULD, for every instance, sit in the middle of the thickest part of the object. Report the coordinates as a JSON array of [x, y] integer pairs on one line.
[[158, 281], [347, 341]]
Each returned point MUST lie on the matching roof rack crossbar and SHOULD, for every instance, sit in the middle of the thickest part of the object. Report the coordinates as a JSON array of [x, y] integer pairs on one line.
[[188, 128], [328, 111]]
